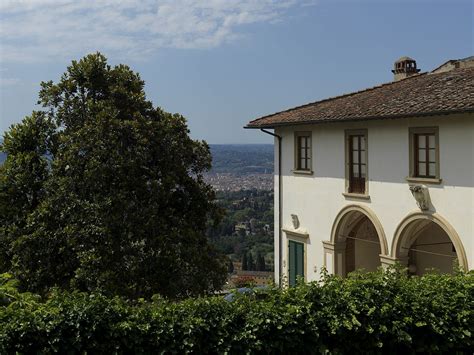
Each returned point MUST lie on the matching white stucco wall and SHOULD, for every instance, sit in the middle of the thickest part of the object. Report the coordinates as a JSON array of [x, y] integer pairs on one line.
[[317, 198]]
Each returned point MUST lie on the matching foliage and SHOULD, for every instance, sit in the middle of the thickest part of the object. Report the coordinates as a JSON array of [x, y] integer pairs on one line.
[[382, 312], [250, 263], [260, 263], [230, 268], [22, 178], [254, 207], [103, 192], [245, 263], [242, 206]]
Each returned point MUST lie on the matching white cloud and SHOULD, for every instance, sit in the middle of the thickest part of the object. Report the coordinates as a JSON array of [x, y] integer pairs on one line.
[[32, 30]]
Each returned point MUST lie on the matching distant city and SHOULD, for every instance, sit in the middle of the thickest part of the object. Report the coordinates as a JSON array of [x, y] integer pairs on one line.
[[232, 182], [236, 167], [241, 167]]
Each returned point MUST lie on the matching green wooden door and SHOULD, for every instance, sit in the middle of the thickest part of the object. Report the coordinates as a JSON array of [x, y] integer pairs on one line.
[[295, 261]]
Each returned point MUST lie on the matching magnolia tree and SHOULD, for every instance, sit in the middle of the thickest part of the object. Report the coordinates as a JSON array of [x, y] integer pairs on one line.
[[103, 191]]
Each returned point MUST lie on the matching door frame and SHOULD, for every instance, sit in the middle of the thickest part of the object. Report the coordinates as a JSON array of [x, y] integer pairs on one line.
[[298, 237]]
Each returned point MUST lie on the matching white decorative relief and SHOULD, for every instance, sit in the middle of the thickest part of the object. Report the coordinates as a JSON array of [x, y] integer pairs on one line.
[[295, 221], [421, 195]]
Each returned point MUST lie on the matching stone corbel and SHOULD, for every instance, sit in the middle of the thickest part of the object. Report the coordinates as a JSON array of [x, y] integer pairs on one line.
[[422, 196], [295, 220]]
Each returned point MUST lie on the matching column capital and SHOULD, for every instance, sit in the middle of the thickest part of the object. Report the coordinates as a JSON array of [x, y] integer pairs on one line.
[[387, 260], [330, 246]]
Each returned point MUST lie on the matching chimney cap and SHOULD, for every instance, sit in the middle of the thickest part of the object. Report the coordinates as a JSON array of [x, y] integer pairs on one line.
[[404, 67], [404, 59]]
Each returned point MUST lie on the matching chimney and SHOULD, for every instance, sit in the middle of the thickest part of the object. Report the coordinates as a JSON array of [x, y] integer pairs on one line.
[[403, 68]]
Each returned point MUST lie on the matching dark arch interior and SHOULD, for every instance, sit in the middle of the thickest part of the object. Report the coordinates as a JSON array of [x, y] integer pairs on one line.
[[362, 249], [430, 249]]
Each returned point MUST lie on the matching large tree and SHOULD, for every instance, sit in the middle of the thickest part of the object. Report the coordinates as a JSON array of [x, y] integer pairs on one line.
[[102, 191]]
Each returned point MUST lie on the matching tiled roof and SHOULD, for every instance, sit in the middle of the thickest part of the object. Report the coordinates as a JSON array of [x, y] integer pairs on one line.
[[418, 95]]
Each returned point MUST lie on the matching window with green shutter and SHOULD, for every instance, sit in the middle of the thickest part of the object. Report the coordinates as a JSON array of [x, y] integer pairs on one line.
[[295, 261]]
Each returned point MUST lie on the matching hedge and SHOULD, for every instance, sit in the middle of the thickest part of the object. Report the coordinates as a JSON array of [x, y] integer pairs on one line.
[[380, 312]]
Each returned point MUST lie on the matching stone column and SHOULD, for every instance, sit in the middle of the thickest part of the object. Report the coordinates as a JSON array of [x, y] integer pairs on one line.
[[335, 257]]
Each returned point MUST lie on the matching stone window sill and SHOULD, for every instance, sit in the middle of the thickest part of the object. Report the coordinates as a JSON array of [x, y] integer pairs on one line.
[[302, 172], [424, 180], [356, 196]]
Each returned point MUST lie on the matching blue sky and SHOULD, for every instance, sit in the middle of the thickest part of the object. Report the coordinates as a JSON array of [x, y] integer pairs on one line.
[[221, 63]]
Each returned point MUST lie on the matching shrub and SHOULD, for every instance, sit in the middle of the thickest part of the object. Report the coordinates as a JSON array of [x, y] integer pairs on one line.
[[381, 312]]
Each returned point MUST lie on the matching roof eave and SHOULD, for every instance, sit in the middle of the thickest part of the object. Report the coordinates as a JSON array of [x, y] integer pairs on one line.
[[358, 119]]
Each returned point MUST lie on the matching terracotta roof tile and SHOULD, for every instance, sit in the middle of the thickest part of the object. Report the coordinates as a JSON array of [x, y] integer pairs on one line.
[[419, 95]]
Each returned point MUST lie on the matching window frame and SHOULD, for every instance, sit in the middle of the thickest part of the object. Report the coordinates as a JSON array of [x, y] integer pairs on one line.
[[308, 150], [414, 176], [349, 133]]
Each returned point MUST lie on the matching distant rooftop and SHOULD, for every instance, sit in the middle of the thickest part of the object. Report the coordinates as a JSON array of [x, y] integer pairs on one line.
[[448, 89]]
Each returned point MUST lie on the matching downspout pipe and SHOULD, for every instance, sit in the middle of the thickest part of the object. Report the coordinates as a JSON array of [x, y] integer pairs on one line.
[[280, 199]]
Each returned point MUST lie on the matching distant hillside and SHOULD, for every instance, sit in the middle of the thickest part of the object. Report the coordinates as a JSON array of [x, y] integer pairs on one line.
[[242, 159], [238, 159]]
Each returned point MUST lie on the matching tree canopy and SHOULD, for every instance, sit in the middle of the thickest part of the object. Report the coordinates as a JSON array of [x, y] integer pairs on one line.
[[103, 191]]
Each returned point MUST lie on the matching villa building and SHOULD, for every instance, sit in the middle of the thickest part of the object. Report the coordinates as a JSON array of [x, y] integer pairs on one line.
[[377, 176]]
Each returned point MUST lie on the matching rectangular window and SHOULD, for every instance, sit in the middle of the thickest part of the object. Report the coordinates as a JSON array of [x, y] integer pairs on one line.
[[303, 151], [425, 156], [295, 261], [357, 161], [424, 153]]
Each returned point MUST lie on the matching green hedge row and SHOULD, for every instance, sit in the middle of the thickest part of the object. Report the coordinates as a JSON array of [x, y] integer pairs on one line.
[[376, 312]]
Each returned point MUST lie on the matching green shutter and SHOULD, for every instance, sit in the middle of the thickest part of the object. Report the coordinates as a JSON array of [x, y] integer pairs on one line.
[[295, 262], [291, 263], [300, 259]]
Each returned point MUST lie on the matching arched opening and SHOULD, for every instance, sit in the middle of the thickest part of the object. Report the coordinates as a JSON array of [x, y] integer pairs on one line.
[[426, 242], [358, 241], [430, 249], [362, 245]]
